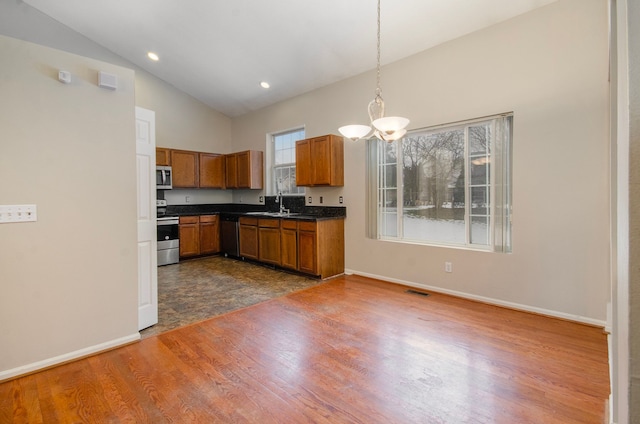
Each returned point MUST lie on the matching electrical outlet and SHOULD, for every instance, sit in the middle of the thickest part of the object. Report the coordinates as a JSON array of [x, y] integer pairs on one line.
[[310, 201], [341, 200], [187, 199], [261, 199], [321, 199], [448, 267], [18, 213]]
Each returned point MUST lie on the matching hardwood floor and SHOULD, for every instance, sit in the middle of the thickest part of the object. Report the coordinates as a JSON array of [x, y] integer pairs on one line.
[[350, 350]]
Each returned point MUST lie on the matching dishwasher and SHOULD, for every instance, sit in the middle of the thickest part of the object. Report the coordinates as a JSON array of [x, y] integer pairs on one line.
[[229, 235]]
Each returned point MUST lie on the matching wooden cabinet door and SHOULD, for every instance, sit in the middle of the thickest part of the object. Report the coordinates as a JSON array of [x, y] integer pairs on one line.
[[212, 168], [243, 170], [189, 236], [303, 163], [269, 241], [320, 161], [289, 244], [307, 252], [185, 168], [249, 238], [269, 245], [250, 169], [209, 234], [163, 156], [231, 170]]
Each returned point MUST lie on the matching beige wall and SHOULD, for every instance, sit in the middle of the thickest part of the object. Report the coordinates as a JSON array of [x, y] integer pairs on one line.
[[634, 208], [550, 68], [60, 271], [181, 121], [69, 280]]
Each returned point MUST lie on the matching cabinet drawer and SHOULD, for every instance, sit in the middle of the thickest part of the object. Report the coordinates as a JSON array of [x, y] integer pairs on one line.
[[289, 224], [208, 218], [270, 223], [306, 226], [247, 220], [188, 220]]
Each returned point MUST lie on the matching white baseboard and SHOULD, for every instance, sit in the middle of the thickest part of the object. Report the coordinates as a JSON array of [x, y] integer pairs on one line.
[[497, 302], [56, 360]]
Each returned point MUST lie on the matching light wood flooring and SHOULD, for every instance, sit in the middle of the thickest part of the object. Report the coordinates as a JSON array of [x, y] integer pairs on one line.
[[350, 350]]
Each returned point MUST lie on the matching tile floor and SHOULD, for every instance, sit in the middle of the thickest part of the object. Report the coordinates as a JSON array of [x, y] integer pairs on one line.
[[198, 289]]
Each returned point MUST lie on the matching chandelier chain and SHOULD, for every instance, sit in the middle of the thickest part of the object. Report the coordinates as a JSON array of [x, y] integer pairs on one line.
[[385, 128], [378, 90]]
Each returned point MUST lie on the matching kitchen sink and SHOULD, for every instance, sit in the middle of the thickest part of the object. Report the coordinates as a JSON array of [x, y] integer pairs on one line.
[[274, 214]]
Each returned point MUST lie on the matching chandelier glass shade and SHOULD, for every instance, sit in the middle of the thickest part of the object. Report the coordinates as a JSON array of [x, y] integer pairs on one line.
[[385, 128]]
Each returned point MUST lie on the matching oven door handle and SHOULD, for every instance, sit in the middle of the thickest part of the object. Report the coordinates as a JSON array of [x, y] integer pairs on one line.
[[167, 222]]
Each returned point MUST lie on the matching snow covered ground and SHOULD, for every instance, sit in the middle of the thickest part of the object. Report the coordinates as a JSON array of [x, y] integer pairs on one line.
[[434, 230]]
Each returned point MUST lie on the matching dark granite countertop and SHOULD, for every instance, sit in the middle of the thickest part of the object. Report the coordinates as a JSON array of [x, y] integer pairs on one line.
[[303, 213]]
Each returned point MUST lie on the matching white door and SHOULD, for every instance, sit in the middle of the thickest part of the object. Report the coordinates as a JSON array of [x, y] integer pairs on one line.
[[147, 243]]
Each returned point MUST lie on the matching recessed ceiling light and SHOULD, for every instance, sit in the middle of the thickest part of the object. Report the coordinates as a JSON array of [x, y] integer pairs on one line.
[[264, 84], [153, 56]]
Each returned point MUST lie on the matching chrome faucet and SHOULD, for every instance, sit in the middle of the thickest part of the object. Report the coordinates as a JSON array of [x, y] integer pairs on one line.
[[279, 199]]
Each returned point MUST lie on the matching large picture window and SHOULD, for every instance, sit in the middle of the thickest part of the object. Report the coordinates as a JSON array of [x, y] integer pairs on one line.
[[448, 185], [283, 168]]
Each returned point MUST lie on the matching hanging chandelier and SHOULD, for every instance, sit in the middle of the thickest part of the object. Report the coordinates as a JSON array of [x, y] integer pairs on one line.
[[388, 128]]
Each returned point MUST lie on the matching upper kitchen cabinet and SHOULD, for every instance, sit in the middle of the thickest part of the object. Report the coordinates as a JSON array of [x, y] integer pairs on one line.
[[185, 169], [320, 161], [244, 169], [212, 173], [163, 156]]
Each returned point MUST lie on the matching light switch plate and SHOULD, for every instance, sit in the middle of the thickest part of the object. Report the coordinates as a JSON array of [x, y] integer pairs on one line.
[[18, 213]]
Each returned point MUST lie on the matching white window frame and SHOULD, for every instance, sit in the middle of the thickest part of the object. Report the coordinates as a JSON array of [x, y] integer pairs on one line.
[[271, 158], [499, 209]]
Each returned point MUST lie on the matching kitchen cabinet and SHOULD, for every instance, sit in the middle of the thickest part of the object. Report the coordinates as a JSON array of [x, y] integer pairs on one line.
[[163, 156], [308, 254], [320, 161], [231, 170], [244, 169], [185, 169], [269, 241], [199, 235], [289, 244], [209, 234], [211, 170], [248, 237], [189, 230], [321, 247], [310, 247]]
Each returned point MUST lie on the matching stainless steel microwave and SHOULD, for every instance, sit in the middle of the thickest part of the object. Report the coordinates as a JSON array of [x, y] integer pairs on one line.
[[164, 176]]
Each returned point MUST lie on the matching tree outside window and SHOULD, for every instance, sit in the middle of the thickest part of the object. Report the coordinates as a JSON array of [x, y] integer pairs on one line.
[[436, 185]]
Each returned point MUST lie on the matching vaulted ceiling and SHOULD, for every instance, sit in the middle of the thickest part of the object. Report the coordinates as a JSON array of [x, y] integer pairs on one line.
[[219, 51]]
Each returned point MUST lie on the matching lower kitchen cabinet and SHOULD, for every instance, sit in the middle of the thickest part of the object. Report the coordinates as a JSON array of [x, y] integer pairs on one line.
[[321, 247], [310, 247], [289, 244], [307, 248], [209, 234], [199, 235], [249, 237], [269, 241], [189, 236]]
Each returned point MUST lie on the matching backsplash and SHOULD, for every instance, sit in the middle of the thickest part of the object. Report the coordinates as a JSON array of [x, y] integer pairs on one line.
[[295, 204]]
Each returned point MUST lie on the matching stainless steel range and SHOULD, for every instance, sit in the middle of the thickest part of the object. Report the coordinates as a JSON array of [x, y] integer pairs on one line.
[[168, 236]]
